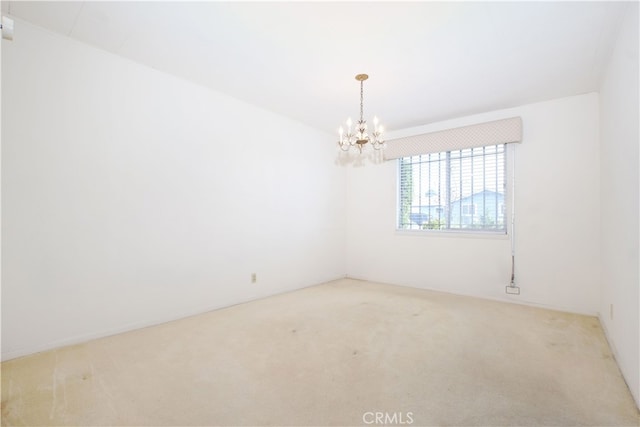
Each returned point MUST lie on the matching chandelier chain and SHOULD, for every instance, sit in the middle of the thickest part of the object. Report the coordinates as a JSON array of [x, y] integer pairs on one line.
[[361, 100]]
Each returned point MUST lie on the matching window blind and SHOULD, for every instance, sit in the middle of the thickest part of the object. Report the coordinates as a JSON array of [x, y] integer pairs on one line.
[[453, 190], [478, 135]]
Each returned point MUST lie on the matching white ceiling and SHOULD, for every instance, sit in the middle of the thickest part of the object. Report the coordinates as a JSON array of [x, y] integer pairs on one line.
[[427, 61]]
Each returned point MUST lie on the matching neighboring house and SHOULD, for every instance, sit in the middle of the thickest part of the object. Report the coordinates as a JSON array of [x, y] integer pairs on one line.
[[432, 209], [427, 213], [483, 209]]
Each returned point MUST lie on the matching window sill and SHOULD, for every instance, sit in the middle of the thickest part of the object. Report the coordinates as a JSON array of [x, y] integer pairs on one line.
[[494, 235]]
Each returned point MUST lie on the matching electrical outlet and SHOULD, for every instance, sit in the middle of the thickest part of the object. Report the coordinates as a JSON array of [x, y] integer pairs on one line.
[[611, 311], [513, 290], [254, 277]]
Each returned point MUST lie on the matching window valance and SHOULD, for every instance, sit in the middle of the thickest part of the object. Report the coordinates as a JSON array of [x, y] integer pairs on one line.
[[478, 135]]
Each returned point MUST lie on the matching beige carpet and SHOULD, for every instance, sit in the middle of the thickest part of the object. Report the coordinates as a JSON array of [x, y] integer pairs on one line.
[[343, 353]]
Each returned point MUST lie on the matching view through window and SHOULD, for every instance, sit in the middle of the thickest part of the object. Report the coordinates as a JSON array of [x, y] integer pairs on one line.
[[453, 190]]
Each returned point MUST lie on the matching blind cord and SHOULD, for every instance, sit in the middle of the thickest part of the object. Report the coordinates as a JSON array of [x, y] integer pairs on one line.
[[513, 216]]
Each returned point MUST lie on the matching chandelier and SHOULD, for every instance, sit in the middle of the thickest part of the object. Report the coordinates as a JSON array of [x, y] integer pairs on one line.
[[359, 136]]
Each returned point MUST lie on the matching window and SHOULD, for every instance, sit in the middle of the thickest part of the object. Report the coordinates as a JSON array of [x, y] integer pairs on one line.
[[468, 209], [453, 190]]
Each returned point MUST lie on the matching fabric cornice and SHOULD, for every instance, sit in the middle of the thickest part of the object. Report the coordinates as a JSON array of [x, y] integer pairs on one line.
[[502, 131]]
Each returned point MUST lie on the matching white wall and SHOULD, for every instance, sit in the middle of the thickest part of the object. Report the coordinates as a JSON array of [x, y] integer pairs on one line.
[[557, 210], [131, 197], [620, 189]]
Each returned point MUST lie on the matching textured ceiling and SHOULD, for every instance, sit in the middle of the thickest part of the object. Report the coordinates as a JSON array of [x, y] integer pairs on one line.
[[427, 61]]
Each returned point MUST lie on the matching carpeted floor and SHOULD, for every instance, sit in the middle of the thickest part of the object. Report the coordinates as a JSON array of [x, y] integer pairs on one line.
[[343, 353]]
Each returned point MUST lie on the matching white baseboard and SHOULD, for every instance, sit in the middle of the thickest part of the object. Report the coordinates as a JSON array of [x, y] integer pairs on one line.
[[83, 338]]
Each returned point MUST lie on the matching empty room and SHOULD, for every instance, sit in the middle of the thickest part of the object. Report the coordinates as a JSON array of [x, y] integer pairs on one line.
[[320, 213]]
